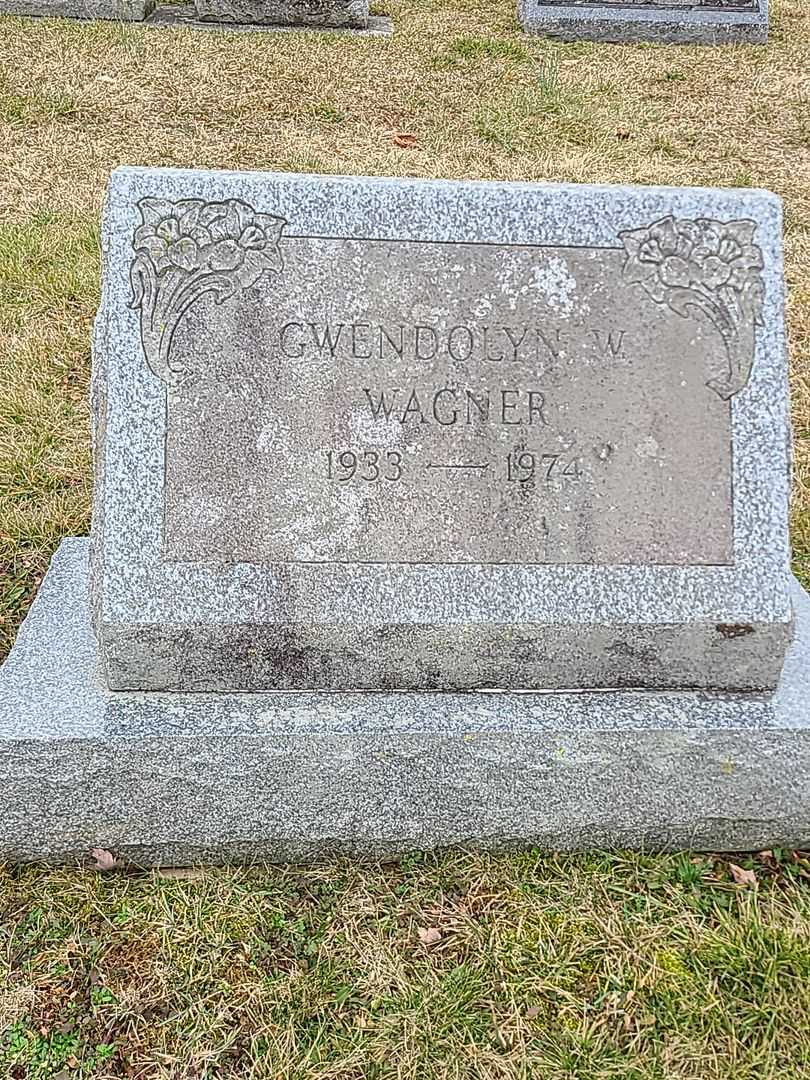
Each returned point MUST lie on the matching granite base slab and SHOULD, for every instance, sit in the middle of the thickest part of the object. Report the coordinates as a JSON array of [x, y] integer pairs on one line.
[[185, 15], [677, 23], [163, 16], [117, 10], [174, 778]]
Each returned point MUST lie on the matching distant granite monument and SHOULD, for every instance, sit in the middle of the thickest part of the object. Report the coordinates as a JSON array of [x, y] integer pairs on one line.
[[369, 450], [352, 15], [316, 13], [687, 22], [117, 10]]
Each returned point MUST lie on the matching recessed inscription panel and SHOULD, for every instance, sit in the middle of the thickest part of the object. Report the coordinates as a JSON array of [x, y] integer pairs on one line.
[[393, 401]]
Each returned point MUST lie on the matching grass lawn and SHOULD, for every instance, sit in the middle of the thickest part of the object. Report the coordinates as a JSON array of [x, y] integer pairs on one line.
[[629, 968], [465, 966]]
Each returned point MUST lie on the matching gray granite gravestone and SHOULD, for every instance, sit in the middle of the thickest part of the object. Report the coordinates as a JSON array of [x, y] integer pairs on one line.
[[324, 13], [123, 10], [478, 435], [699, 22], [421, 440], [339, 16]]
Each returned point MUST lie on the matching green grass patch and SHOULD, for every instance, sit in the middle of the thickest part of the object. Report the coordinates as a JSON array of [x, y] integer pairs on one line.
[[24, 110], [49, 273], [462, 966], [476, 48]]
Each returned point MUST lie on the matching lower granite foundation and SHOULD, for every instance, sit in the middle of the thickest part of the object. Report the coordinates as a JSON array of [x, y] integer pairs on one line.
[[167, 16], [118, 10], [168, 779], [678, 22]]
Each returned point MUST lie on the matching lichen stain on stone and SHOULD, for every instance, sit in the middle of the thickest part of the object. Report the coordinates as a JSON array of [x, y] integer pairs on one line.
[[734, 630], [556, 284]]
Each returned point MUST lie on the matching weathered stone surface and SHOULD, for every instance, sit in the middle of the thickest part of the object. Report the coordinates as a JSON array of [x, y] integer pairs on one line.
[[361, 433], [688, 22], [125, 10], [167, 779], [349, 13], [184, 15]]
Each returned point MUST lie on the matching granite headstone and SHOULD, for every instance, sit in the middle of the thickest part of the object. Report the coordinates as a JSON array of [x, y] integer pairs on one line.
[[688, 22], [398, 434], [352, 14], [119, 10], [341, 16]]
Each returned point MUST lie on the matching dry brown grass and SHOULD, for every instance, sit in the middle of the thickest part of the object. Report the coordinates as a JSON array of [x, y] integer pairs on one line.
[[78, 99]]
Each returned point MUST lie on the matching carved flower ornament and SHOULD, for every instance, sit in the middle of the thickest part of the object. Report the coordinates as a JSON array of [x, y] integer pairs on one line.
[[186, 249], [712, 266]]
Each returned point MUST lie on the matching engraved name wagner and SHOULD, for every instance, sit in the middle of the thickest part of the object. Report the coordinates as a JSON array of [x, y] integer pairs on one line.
[[495, 347]]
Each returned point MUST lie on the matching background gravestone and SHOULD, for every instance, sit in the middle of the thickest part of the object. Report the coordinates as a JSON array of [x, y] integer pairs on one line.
[[709, 22], [343, 16], [124, 10], [325, 13]]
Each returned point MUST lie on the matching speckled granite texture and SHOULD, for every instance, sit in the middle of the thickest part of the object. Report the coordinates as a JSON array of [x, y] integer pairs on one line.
[[185, 15], [682, 22], [347, 17], [322, 13], [238, 622], [124, 10], [167, 779]]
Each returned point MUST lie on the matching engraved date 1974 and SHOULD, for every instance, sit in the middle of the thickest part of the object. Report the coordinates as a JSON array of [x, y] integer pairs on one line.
[[524, 466], [518, 466]]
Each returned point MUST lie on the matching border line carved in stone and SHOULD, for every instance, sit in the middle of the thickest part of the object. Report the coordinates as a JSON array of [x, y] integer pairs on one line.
[[186, 249], [707, 266]]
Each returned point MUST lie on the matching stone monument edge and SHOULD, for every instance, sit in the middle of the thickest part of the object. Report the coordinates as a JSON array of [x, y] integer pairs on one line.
[[128, 183], [627, 23], [259, 777]]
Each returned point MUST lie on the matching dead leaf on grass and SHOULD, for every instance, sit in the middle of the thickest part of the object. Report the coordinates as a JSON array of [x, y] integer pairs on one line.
[[404, 139], [184, 873], [429, 935], [741, 876], [105, 860]]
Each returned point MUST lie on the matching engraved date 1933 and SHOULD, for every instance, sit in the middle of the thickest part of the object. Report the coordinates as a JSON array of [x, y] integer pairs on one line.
[[370, 465]]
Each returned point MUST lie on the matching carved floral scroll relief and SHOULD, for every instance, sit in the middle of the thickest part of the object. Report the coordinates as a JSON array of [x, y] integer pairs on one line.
[[186, 249], [713, 267]]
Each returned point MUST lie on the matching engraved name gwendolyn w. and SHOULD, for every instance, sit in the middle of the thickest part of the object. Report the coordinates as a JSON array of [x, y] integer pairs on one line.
[[705, 266], [186, 249]]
